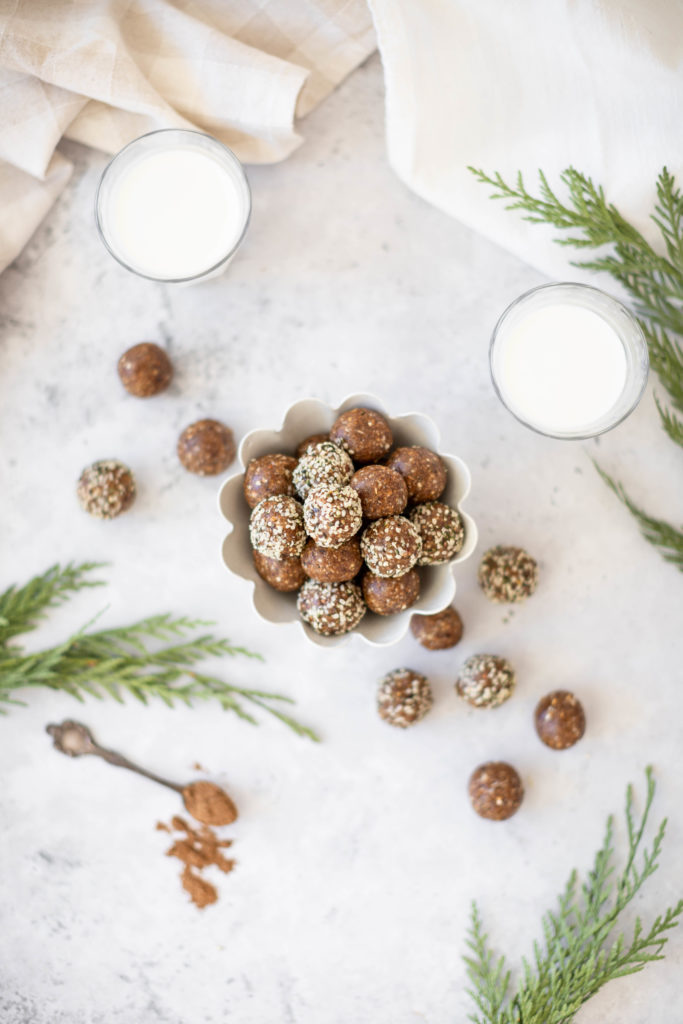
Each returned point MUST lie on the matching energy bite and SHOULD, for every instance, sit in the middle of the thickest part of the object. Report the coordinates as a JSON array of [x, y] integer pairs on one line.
[[437, 632], [424, 472], [331, 608], [389, 596], [507, 574], [268, 475], [106, 489], [560, 720], [382, 491], [495, 790], [404, 697], [309, 442], [325, 463], [485, 681], [390, 546], [363, 433], [441, 531], [145, 370], [332, 565], [332, 515], [284, 574], [276, 527], [206, 447]]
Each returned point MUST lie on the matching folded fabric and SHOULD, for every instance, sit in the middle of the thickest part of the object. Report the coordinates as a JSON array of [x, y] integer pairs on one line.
[[103, 73], [597, 84]]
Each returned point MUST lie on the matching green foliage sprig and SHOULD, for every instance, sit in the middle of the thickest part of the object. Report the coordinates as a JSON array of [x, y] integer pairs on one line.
[[654, 280], [579, 952], [119, 662]]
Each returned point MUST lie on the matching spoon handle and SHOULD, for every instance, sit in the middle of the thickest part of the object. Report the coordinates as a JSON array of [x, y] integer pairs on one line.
[[122, 762]]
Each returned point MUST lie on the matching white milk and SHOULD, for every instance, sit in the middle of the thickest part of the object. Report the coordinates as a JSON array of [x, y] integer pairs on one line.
[[560, 368], [174, 212]]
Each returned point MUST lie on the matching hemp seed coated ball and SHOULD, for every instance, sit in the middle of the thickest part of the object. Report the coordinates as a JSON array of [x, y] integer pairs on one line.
[[276, 527], [507, 574], [145, 370], [382, 491], [268, 475], [441, 530], [325, 463], [206, 447], [363, 433], [404, 697], [106, 489], [560, 720], [496, 790], [390, 596], [283, 574], [331, 608], [332, 515], [332, 565], [485, 681], [424, 472], [439, 631], [304, 447], [390, 546]]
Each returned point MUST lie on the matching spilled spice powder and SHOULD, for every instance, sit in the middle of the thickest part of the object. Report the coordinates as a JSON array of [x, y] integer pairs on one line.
[[198, 849], [209, 804]]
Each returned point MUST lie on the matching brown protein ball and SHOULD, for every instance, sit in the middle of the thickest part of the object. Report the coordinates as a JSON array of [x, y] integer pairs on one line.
[[106, 489], [496, 790], [439, 631], [276, 527], [304, 447], [332, 515], [390, 596], [363, 433], [560, 720], [390, 546], [332, 565], [441, 531], [283, 574], [382, 491], [268, 475], [325, 463], [507, 574], [206, 447], [145, 370], [404, 697], [424, 472], [331, 608], [485, 681]]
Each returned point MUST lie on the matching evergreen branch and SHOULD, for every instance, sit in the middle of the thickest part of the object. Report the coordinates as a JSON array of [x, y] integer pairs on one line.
[[581, 951], [22, 608], [663, 535], [671, 423]]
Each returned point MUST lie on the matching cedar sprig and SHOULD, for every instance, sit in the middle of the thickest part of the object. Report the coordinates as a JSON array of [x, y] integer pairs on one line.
[[581, 949], [126, 661], [23, 608]]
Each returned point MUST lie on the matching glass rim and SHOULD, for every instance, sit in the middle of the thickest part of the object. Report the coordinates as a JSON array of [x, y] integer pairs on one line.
[[234, 160], [578, 435]]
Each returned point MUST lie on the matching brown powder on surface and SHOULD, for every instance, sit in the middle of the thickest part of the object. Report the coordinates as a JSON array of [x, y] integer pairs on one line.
[[198, 849], [209, 804]]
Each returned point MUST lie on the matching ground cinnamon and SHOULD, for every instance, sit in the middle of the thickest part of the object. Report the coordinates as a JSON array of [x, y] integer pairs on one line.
[[209, 804], [198, 849]]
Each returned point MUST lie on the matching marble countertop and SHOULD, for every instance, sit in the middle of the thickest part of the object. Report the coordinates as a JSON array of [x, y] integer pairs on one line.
[[358, 857]]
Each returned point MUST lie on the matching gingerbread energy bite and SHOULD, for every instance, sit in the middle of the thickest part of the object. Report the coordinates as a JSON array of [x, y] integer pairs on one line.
[[283, 574], [324, 463], [363, 433], [560, 720], [304, 447], [441, 531], [439, 631], [423, 471], [382, 491], [106, 489], [496, 790], [145, 370], [390, 546], [276, 527], [206, 447], [332, 565], [389, 596], [332, 515], [404, 697], [485, 681], [268, 475], [331, 608], [507, 574]]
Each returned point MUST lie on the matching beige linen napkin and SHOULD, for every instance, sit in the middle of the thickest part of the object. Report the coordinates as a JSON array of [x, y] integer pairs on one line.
[[103, 72]]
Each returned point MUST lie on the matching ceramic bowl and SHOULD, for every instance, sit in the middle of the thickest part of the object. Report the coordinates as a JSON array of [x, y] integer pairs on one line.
[[311, 416]]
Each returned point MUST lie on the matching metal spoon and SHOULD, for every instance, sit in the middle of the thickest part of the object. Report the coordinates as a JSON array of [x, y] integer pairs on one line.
[[74, 739]]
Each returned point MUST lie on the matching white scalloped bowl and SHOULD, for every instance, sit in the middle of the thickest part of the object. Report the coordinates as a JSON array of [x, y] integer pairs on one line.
[[311, 416]]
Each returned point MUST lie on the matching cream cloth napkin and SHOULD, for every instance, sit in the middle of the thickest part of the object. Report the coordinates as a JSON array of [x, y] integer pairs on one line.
[[534, 83], [103, 72]]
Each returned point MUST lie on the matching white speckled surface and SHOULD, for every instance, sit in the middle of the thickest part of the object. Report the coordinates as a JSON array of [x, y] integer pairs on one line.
[[357, 858]]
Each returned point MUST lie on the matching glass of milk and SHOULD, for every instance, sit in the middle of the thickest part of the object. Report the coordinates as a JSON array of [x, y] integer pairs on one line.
[[568, 360], [173, 206]]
